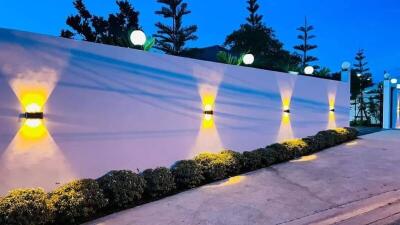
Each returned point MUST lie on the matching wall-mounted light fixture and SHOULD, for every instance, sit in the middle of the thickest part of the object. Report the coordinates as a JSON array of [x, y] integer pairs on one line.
[[332, 110], [32, 111], [31, 115], [286, 110], [208, 111]]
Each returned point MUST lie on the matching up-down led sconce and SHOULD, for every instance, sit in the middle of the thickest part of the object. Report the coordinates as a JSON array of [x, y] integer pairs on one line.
[[33, 115], [33, 111], [332, 109], [286, 108], [208, 112]]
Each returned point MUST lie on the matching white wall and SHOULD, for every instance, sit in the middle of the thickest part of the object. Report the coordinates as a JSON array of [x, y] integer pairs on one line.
[[115, 108]]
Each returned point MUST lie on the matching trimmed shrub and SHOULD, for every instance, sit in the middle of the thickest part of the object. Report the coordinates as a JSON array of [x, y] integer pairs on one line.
[[212, 166], [122, 188], [232, 161], [76, 201], [25, 206], [217, 166], [259, 158], [187, 174], [313, 146], [330, 138], [289, 150], [159, 182], [252, 160]]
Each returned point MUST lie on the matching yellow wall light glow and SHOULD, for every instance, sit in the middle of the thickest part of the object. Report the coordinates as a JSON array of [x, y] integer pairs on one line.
[[32, 104], [33, 129], [331, 120], [285, 130]]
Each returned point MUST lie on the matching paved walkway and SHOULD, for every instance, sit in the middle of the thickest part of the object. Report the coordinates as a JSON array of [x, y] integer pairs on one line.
[[356, 183]]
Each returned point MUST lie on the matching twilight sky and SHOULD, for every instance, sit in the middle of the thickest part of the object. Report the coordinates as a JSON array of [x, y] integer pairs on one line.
[[342, 26]]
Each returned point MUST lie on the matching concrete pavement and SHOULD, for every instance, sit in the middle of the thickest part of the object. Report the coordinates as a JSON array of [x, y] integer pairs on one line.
[[355, 183]]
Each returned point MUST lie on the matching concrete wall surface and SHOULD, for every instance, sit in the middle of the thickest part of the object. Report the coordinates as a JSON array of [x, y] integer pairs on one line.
[[111, 108]]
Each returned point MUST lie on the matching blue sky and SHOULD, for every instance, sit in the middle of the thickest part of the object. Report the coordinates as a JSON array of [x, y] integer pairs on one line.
[[342, 26]]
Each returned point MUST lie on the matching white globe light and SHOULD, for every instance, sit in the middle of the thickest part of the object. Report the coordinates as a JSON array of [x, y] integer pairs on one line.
[[358, 74], [309, 70], [138, 37], [346, 65], [248, 59], [393, 81]]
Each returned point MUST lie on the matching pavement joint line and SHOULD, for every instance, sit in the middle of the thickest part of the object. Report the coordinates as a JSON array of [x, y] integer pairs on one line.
[[338, 206], [377, 208], [383, 218], [306, 189]]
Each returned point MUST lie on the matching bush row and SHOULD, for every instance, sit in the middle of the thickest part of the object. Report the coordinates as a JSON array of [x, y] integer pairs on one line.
[[85, 199]]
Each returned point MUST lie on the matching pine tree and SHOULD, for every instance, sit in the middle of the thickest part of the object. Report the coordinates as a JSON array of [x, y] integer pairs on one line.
[[360, 81], [258, 39], [172, 39], [254, 19], [113, 31], [305, 46]]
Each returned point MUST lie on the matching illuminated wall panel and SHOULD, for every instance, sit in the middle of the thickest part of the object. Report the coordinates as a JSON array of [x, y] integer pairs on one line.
[[109, 108]]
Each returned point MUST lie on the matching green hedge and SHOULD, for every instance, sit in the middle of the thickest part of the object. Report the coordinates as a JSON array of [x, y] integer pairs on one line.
[[160, 182], [122, 188], [82, 200], [217, 166], [25, 207], [188, 174], [76, 201]]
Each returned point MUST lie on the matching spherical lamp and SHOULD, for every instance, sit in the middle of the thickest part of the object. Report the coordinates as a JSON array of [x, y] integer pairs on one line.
[[393, 81], [346, 65], [248, 59], [309, 70], [138, 37]]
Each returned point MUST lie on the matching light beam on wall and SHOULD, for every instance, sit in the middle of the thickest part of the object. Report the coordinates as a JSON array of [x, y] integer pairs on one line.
[[286, 87], [33, 157], [332, 90], [285, 129], [331, 120], [208, 138]]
